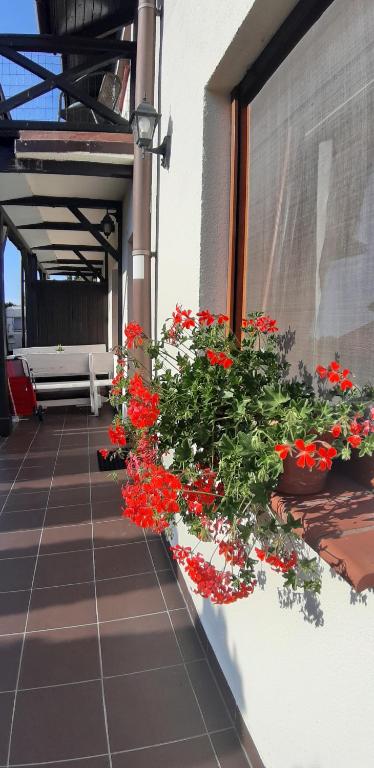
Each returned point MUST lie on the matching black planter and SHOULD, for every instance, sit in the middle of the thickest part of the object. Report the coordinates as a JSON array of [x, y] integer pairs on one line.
[[111, 462]]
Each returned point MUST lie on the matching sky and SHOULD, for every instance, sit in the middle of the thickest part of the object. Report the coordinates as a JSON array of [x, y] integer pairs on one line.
[[16, 16]]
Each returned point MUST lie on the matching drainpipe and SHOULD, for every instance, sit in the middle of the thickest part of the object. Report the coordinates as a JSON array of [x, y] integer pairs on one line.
[[142, 179]]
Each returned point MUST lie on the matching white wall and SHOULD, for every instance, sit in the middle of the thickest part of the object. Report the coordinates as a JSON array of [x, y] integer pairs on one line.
[[303, 676]]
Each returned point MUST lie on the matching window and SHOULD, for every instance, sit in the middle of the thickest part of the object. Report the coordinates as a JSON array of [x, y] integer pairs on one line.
[[309, 250], [17, 323]]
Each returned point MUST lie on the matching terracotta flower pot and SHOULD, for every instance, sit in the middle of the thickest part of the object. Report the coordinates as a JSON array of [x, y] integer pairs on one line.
[[361, 469], [295, 481]]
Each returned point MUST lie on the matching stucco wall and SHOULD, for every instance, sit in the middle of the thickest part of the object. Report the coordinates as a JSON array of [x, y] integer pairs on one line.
[[302, 674]]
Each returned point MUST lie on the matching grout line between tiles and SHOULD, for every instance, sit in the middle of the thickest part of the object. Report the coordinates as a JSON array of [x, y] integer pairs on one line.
[[97, 679], [88, 624], [117, 752], [28, 612], [88, 581], [70, 551]]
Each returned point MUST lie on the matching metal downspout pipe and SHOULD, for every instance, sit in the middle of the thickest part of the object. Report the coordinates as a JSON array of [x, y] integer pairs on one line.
[[142, 179]]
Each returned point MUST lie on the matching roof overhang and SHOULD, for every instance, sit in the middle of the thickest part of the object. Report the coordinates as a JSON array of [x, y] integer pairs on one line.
[[64, 230]]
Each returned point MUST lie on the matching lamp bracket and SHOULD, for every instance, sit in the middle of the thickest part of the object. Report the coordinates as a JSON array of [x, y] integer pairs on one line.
[[163, 150]]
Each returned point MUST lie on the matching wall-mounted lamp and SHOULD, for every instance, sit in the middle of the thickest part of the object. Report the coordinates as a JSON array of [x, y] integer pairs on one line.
[[144, 121], [107, 225]]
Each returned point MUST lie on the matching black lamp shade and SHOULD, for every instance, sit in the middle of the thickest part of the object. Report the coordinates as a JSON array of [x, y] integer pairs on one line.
[[107, 225], [144, 121]]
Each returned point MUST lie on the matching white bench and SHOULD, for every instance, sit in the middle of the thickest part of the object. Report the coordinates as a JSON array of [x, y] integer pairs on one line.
[[23, 351], [65, 366], [104, 364], [54, 365]]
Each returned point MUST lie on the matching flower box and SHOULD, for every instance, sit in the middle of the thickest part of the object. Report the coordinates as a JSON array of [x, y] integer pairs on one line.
[[111, 462]]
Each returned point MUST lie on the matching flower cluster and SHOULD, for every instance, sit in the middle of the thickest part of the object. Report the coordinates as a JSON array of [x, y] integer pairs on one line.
[[309, 455], [205, 317], [233, 552], [151, 500], [221, 587], [219, 358], [117, 435], [262, 324], [183, 318], [201, 493], [335, 374], [276, 562], [133, 335], [143, 408]]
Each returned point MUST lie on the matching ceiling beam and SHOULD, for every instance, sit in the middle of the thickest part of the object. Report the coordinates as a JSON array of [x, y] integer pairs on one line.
[[64, 262], [124, 49], [67, 270], [64, 247], [11, 128], [11, 164], [85, 261], [48, 201], [107, 247], [64, 226]]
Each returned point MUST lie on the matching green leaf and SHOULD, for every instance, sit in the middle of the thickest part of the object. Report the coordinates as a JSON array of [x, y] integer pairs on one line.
[[183, 451], [227, 446], [273, 400]]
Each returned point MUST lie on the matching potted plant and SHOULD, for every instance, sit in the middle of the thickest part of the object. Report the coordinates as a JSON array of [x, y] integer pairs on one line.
[[216, 431]]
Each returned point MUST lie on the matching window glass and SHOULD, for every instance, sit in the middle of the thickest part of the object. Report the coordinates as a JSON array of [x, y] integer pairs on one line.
[[17, 323], [311, 193]]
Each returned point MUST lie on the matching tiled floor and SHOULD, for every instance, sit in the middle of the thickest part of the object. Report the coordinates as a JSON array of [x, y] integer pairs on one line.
[[100, 665]]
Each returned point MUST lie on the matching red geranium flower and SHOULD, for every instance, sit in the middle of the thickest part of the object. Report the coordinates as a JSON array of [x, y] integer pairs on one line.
[[134, 335], [334, 365], [354, 441], [336, 430], [222, 319], [305, 454], [205, 317], [346, 384], [322, 372], [355, 427], [282, 450], [117, 435], [104, 453], [262, 324], [276, 562], [335, 375], [325, 457], [261, 554], [219, 359]]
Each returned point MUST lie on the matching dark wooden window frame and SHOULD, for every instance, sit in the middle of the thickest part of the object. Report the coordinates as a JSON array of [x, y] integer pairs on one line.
[[293, 29]]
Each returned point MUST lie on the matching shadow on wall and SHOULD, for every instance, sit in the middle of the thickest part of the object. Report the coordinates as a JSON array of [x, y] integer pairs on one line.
[[308, 604], [214, 622]]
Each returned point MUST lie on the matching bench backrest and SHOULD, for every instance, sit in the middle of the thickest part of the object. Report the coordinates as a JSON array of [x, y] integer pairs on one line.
[[55, 365], [102, 363], [76, 348]]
